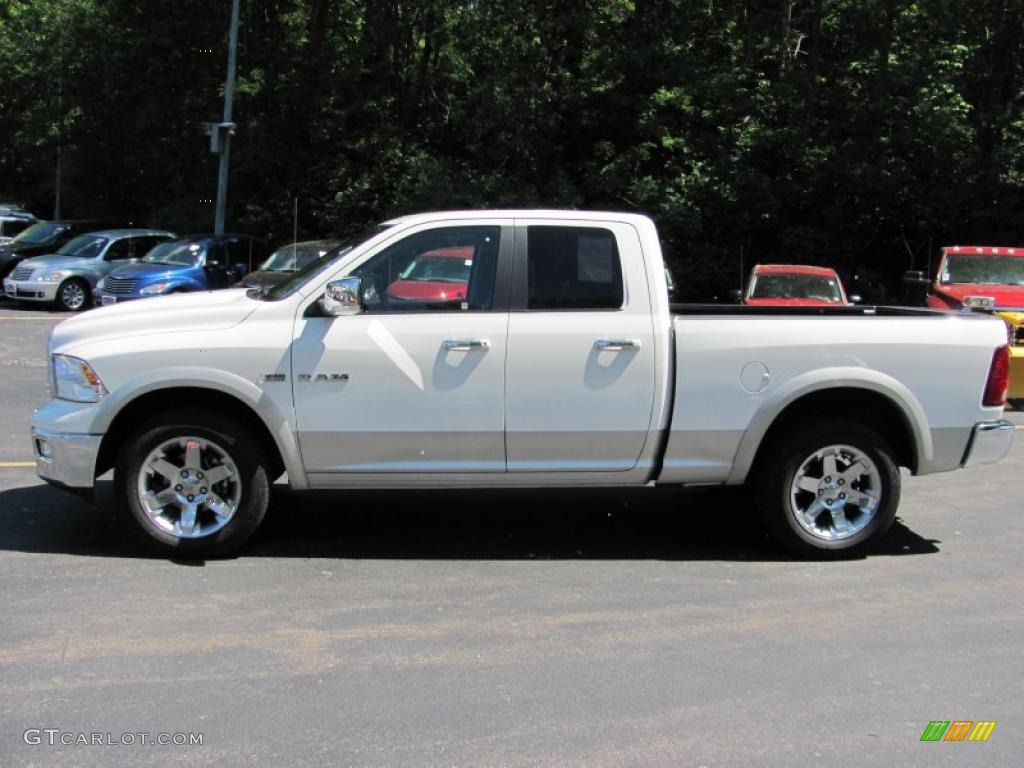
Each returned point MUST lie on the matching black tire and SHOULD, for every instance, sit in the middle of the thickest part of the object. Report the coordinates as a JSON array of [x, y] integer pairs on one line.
[[227, 435], [74, 295], [773, 486]]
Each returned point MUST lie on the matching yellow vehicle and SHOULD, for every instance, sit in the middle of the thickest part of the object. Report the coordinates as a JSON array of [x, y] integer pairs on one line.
[[987, 278]]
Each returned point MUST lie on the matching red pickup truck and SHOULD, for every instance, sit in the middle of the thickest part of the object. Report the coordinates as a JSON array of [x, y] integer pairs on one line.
[[987, 278], [438, 275], [794, 285]]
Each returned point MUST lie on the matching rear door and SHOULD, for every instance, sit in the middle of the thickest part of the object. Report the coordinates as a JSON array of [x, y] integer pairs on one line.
[[215, 268], [580, 377]]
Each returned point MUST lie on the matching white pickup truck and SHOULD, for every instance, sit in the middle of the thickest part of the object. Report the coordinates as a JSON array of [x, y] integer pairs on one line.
[[527, 348]]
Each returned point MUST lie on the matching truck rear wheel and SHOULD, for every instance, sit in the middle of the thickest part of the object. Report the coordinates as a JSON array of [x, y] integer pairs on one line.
[[192, 482], [830, 490]]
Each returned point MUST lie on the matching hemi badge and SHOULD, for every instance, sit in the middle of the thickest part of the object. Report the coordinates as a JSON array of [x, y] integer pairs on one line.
[[268, 377]]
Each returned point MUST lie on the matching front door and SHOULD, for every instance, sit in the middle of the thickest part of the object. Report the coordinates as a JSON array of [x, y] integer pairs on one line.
[[415, 383]]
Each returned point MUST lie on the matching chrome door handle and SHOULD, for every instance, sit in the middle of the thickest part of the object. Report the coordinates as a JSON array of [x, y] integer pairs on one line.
[[464, 345], [614, 345]]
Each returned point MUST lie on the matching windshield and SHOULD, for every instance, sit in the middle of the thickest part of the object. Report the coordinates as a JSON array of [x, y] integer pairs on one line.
[[795, 287], [183, 254], [291, 259], [86, 246], [454, 268], [287, 287], [40, 233], [995, 270]]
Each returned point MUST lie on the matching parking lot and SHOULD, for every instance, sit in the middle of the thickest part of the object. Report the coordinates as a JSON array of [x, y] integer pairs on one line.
[[540, 628]]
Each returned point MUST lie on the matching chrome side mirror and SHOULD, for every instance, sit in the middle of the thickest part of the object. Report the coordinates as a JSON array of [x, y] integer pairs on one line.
[[342, 297], [855, 298]]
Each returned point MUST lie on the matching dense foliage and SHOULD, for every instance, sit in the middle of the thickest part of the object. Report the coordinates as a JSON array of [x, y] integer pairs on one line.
[[857, 133]]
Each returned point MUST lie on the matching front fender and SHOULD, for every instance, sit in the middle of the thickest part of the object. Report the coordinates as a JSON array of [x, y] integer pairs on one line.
[[228, 383], [820, 380], [182, 284]]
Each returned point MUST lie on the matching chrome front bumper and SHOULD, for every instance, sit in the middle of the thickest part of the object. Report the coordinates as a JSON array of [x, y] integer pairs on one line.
[[990, 442], [66, 459], [39, 291]]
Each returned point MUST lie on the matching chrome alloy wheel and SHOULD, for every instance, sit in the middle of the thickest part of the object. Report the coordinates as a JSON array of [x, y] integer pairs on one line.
[[189, 487], [72, 295], [836, 492]]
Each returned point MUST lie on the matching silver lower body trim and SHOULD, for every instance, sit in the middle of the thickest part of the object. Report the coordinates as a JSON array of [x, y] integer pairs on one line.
[[990, 442], [66, 459]]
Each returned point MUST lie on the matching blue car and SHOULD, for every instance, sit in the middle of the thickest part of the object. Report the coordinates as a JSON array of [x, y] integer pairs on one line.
[[194, 263]]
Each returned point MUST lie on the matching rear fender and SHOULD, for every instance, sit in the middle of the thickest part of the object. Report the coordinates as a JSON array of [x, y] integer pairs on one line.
[[824, 379]]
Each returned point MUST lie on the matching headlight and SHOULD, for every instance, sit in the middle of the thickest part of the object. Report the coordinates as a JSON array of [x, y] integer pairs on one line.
[[53, 277], [73, 379], [149, 290]]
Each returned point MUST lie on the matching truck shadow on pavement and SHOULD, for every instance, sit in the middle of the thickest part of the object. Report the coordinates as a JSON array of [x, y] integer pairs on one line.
[[588, 524]]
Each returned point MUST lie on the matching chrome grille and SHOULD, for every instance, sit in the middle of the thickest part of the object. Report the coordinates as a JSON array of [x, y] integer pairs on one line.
[[21, 273], [119, 284]]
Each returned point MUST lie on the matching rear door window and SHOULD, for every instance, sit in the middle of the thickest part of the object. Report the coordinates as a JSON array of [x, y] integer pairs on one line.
[[240, 251], [140, 246], [119, 249], [573, 268], [12, 227]]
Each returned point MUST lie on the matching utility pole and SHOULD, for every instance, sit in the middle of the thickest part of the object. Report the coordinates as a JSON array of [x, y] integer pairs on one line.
[[60, 139], [226, 127]]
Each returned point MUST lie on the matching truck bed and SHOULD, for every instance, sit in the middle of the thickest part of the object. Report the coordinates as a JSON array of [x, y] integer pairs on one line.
[[737, 368]]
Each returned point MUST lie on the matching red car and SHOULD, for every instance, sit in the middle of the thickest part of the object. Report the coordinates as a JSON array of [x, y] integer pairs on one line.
[[794, 285], [438, 275], [991, 277]]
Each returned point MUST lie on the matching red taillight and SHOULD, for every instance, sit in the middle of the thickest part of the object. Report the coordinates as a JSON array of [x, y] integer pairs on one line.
[[998, 378]]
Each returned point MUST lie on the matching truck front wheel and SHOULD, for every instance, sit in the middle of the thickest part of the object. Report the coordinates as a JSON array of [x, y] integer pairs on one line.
[[192, 482], [829, 491]]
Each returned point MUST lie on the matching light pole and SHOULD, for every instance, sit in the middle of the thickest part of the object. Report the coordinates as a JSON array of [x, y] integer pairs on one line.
[[60, 139], [226, 127]]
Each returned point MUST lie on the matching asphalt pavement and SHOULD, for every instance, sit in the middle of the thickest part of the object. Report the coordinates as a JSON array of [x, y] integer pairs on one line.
[[501, 628]]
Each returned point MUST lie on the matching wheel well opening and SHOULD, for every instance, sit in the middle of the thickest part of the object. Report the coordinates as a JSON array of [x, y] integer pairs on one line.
[[145, 406], [863, 406]]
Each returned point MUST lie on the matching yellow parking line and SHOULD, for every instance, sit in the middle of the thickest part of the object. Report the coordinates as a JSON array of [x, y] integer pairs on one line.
[[10, 464]]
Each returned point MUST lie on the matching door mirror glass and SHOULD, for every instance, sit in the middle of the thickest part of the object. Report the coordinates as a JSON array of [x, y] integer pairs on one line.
[[342, 297], [915, 277]]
